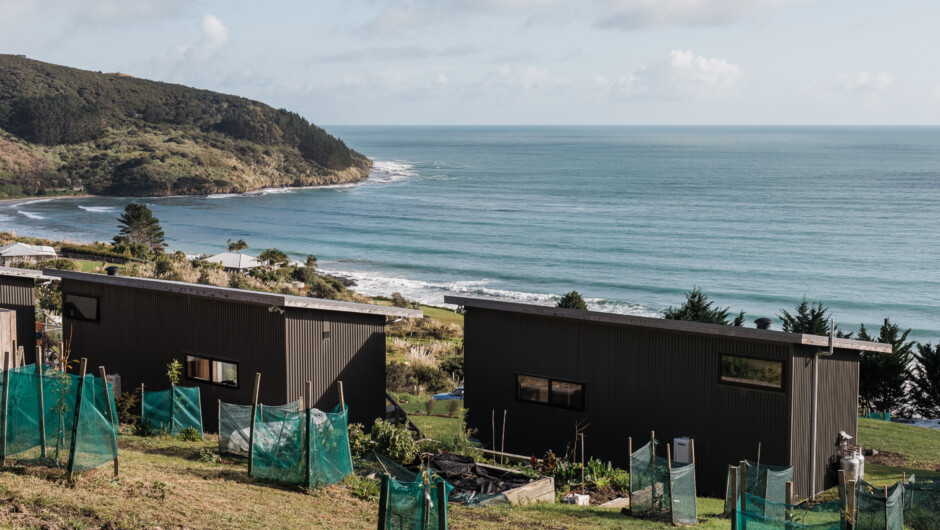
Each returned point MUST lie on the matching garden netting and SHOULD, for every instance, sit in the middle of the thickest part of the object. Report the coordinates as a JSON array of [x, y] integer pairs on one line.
[[173, 410], [655, 489], [761, 514], [763, 481], [414, 505], [284, 452], [875, 511], [922, 503], [94, 442], [886, 416], [235, 425]]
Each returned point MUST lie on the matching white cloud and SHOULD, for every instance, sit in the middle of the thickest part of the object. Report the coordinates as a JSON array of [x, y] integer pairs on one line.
[[683, 75], [78, 15], [863, 82], [641, 14], [184, 62]]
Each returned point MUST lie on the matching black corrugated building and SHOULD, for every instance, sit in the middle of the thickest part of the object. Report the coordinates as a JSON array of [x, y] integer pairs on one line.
[[135, 327], [16, 293], [727, 387]]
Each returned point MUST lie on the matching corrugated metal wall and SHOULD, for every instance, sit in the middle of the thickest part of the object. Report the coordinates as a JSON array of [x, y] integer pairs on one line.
[[354, 354], [141, 331], [838, 411], [17, 294], [637, 380]]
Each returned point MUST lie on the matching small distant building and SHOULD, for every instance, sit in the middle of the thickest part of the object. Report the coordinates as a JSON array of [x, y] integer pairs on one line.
[[234, 262], [16, 293], [15, 253]]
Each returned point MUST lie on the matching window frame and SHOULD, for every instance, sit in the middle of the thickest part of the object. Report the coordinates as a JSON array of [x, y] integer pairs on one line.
[[753, 386], [97, 299], [211, 359], [550, 380]]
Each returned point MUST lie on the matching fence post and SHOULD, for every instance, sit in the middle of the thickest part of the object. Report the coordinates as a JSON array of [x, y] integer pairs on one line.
[[850, 503], [742, 482], [42, 406], [841, 475], [112, 416], [3, 409], [143, 419], [630, 472], [383, 502], [789, 488], [78, 409], [342, 400], [308, 395], [220, 426], [251, 429], [886, 507], [672, 512], [652, 467], [733, 478], [441, 506]]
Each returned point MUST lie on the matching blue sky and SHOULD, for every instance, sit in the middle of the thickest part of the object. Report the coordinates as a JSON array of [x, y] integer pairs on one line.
[[716, 62]]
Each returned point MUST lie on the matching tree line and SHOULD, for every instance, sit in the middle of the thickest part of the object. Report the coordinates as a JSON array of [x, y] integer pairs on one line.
[[905, 381]]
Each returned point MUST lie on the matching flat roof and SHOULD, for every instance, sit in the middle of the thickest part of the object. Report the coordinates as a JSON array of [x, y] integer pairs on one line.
[[25, 273], [237, 295], [670, 325]]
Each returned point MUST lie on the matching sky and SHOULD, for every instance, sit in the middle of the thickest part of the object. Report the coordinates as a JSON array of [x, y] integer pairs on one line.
[[507, 62]]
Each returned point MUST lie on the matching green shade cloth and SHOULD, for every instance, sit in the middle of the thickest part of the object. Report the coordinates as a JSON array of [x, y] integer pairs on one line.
[[235, 425], [655, 489], [922, 503], [413, 505], [886, 416], [763, 481], [876, 512], [282, 447], [95, 434], [173, 410], [761, 514]]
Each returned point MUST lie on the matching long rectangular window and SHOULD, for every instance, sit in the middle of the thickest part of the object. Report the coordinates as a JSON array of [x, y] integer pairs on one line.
[[212, 371], [548, 391], [80, 307], [762, 373]]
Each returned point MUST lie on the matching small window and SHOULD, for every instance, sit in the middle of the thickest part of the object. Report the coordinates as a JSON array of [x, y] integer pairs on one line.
[[547, 391], [212, 371], [761, 373], [80, 307]]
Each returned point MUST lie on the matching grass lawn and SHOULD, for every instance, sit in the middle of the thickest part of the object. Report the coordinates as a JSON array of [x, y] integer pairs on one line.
[[918, 447], [169, 483], [447, 316], [91, 266], [438, 425]]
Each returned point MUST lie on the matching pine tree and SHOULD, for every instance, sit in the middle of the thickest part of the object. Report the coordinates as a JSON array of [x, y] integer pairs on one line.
[[698, 308], [140, 230], [572, 300], [807, 318], [924, 390], [882, 376]]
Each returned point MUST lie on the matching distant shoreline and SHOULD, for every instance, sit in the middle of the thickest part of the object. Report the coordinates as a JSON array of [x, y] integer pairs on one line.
[[45, 198]]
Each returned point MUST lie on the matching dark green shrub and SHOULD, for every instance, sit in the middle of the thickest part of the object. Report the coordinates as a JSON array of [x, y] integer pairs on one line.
[[432, 379], [394, 441], [452, 365], [399, 377], [358, 444], [400, 301], [126, 404], [189, 434]]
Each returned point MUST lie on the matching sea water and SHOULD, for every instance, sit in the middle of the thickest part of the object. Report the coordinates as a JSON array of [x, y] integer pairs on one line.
[[631, 217]]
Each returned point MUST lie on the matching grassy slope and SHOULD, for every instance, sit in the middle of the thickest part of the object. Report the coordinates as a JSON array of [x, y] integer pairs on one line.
[[919, 450], [165, 483]]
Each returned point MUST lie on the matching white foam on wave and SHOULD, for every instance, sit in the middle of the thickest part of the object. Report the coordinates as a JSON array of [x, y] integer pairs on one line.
[[35, 201], [5, 218], [269, 191], [99, 209], [372, 283], [385, 171], [223, 195], [31, 215]]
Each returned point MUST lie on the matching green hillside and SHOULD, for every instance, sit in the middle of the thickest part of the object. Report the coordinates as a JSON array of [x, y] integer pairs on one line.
[[113, 134]]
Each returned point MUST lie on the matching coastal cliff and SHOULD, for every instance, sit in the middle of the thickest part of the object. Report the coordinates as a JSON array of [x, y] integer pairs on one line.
[[64, 130]]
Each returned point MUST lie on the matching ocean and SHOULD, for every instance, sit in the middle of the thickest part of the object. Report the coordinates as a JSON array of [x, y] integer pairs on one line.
[[631, 217]]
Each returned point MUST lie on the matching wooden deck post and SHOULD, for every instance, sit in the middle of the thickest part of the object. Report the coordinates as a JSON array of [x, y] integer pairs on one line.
[[251, 429], [3, 409], [441, 506], [112, 416], [78, 410], [42, 405]]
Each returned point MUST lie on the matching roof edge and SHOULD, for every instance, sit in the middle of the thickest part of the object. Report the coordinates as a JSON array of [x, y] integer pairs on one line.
[[235, 295], [25, 273], [669, 325]]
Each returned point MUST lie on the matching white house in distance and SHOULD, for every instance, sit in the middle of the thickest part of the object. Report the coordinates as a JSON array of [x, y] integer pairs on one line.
[[233, 262], [22, 253]]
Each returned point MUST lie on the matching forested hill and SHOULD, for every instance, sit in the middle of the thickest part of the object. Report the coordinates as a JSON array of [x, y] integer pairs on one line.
[[112, 134]]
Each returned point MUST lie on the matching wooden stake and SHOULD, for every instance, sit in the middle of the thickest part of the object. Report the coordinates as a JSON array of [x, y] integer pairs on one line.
[[502, 445], [308, 391], [42, 406], [142, 417], [672, 512], [220, 426], [493, 430], [694, 471], [3, 409], [789, 495], [342, 400], [308, 395], [630, 472], [112, 416], [78, 409], [441, 506], [652, 466], [251, 429], [383, 502], [742, 483], [734, 497], [841, 475], [850, 502], [886, 508]]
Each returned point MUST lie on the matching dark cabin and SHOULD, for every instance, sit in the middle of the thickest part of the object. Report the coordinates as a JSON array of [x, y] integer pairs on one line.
[[16, 293], [728, 388], [134, 327]]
